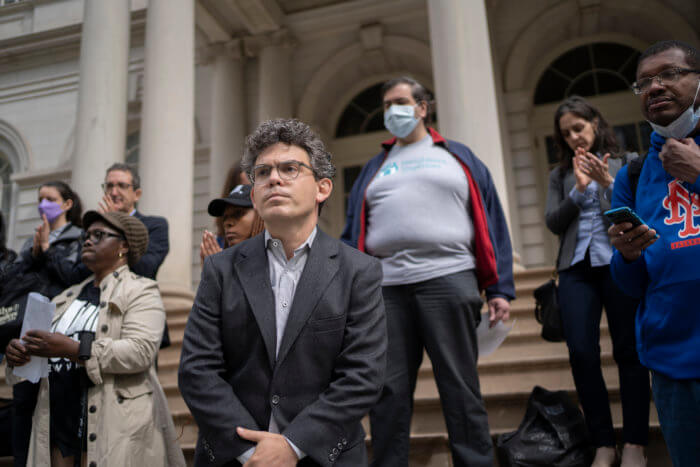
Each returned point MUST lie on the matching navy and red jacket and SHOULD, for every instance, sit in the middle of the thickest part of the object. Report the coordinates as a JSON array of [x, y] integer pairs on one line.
[[492, 248]]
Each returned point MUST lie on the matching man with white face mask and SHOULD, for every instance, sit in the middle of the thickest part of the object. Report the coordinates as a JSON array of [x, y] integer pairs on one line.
[[428, 209], [663, 269]]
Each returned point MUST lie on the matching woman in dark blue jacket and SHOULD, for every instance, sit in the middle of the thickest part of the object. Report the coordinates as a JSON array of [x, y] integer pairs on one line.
[[580, 190]]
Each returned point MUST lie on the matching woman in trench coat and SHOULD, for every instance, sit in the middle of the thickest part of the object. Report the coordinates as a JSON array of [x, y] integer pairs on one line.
[[102, 404]]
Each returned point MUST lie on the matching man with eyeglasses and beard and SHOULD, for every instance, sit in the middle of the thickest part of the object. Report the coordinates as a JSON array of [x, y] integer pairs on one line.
[[658, 262], [285, 346]]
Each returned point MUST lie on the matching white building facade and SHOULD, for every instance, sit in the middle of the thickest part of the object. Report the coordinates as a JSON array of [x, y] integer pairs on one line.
[[175, 85]]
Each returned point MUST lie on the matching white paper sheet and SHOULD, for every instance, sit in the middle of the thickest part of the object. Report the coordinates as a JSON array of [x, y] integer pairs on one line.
[[489, 339], [38, 315]]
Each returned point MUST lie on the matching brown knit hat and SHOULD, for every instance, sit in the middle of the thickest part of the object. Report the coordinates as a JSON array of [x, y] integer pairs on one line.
[[134, 231]]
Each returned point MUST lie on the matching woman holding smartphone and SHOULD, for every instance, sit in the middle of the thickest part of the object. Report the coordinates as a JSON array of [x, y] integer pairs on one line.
[[580, 191]]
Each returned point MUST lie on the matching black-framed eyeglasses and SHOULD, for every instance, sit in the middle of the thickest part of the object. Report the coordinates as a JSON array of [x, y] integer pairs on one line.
[[107, 187], [670, 75], [287, 170], [96, 236]]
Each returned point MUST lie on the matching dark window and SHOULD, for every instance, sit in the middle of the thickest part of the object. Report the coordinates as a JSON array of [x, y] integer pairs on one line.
[[350, 174], [589, 70], [133, 145], [363, 115], [5, 188]]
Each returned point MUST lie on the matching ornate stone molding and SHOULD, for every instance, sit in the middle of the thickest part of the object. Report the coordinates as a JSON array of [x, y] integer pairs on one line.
[[280, 38], [371, 36], [233, 49]]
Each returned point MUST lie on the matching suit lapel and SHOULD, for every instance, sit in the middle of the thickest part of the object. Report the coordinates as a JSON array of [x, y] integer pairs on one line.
[[253, 273], [320, 269]]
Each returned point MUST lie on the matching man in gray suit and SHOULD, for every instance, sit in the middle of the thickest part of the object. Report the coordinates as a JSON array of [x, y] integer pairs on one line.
[[285, 347]]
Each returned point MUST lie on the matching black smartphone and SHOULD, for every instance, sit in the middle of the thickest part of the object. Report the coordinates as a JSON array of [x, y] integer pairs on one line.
[[624, 214]]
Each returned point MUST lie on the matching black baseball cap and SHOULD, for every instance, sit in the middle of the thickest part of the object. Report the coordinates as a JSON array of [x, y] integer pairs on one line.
[[239, 196]]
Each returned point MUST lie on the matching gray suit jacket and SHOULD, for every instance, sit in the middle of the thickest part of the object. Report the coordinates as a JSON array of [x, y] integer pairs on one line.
[[561, 214], [330, 368]]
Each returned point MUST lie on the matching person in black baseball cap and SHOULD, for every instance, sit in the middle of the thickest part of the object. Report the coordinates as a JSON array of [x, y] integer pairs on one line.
[[240, 221]]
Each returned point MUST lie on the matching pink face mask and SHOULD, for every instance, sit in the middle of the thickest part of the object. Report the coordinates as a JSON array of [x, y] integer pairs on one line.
[[50, 209]]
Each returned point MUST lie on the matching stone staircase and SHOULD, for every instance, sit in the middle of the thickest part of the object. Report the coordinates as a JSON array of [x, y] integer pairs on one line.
[[507, 378]]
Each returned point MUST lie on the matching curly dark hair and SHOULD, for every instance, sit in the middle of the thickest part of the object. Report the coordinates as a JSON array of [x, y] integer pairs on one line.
[[74, 214], [604, 142], [292, 132]]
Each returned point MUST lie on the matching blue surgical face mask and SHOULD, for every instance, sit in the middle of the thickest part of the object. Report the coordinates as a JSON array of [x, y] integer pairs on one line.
[[683, 125], [400, 120]]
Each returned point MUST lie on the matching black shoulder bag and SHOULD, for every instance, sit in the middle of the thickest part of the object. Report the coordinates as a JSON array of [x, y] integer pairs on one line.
[[547, 303]]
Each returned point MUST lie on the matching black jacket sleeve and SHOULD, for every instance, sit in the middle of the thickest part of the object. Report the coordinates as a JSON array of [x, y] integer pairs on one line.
[[158, 247], [561, 209], [202, 374]]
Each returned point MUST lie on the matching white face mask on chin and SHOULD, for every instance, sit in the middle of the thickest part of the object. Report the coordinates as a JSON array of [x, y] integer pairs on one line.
[[683, 125]]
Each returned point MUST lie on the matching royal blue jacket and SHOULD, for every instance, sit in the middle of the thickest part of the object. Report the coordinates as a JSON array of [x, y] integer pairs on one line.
[[667, 276], [492, 249]]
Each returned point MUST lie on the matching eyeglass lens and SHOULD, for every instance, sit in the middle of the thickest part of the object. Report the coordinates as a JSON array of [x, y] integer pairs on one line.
[[667, 76], [288, 170], [110, 186], [96, 236]]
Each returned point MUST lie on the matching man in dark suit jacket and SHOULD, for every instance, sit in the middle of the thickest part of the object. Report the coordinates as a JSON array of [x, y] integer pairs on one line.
[[122, 189], [284, 350]]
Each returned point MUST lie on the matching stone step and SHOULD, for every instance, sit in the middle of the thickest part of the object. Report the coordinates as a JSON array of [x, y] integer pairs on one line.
[[505, 396], [432, 449], [526, 327]]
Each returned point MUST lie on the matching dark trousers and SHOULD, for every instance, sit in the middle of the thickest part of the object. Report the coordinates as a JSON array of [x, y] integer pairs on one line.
[[441, 315], [583, 291], [24, 397], [678, 404]]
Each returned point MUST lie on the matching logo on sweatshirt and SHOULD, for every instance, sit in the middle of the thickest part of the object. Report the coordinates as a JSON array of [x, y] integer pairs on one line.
[[682, 206], [388, 170]]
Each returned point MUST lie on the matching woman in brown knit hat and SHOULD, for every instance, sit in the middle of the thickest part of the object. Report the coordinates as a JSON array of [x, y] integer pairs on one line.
[[240, 221], [102, 403]]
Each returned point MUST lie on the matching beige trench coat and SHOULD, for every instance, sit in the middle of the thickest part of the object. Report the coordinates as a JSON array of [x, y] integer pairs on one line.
[[129, 423]]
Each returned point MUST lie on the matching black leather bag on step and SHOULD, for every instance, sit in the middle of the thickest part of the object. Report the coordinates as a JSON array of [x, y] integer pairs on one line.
[[552, 434], [547, 311]]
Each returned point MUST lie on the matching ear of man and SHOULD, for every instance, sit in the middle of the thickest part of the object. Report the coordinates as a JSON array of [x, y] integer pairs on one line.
[[325, 188]]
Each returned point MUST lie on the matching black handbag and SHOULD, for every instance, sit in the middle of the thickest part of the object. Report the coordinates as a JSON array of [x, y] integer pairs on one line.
[[552, 434], [547, 310], [14, 290]]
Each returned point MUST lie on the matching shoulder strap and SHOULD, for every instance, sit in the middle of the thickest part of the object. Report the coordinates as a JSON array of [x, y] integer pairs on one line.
[[634, 170]]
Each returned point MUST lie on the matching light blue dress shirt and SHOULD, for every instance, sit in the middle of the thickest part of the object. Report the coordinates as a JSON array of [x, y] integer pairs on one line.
[[592, 233]]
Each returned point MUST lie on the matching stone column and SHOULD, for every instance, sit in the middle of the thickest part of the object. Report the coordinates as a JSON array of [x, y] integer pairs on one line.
[[228, 121], [102, 96], [275, 92], [167, 130], [464, 82]]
